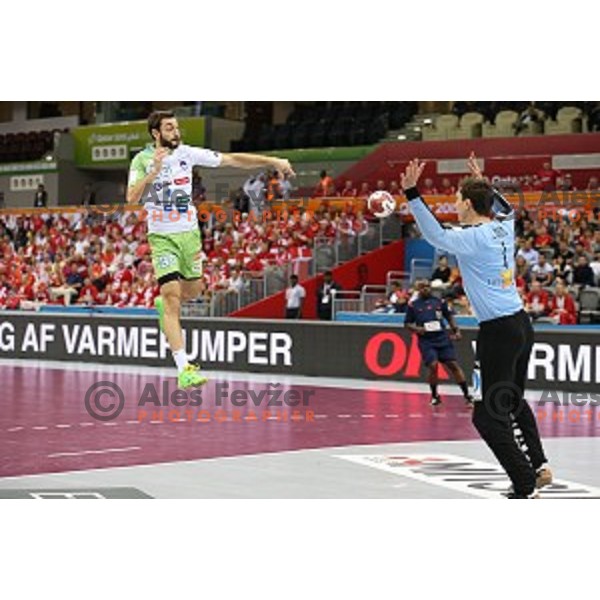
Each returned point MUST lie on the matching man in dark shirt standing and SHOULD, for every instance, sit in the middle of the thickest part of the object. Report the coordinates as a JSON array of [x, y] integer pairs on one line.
[[40, 200], [425, 316], [325, 296]]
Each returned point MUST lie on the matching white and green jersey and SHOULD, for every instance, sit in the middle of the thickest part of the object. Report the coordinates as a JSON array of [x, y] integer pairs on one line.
[[168, 198]]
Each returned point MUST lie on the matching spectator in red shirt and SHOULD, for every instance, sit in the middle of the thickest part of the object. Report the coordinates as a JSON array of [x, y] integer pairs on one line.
[[254, 265], [360, 226], [543, 238], [88, 293], [536, 301], [364, 190], [547, 177], [325, 187], [344, 225], [592, 185], [123, 295], [349, 190], [562, 306], [394, 188], [122, 275], [447, 188], [429, 188]]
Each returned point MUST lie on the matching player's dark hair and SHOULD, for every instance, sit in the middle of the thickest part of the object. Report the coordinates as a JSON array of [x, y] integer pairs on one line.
[[480, 193], [157, 117]]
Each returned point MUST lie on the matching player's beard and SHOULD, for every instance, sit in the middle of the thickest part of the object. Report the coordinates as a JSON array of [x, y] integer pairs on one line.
[[170, 144]]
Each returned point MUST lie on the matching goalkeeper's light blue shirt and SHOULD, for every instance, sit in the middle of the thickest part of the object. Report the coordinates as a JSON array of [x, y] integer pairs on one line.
[[485, 255]]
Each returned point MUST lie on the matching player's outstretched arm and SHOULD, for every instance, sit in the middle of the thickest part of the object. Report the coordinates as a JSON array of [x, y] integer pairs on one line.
[[456, 242], [257, 161]]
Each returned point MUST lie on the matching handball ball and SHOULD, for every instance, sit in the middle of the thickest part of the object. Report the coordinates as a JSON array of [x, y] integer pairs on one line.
[[381, 204]]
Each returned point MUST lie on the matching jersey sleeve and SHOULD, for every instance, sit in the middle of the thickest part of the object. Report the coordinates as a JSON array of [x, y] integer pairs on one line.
[[137, 171], [455, 241], [203, 157]]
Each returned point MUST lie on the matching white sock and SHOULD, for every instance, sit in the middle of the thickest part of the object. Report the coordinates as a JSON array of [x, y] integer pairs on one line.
[[181, 359]]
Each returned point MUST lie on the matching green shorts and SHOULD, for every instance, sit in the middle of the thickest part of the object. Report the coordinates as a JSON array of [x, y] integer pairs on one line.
[[175, 255]]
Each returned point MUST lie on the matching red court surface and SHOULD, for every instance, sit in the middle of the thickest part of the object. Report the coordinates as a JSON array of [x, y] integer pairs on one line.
[[45, 427]]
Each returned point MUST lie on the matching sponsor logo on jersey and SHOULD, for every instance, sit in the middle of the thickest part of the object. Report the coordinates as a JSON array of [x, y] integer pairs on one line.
[[181, 180]]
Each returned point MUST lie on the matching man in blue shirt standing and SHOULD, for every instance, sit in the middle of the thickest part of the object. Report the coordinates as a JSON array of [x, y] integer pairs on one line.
[[425, 316], [485, 253]]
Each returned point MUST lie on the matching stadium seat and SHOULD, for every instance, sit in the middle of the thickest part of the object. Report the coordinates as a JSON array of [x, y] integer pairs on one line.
[[504, 127], [470, 125], [589, 302], [445, 128], [568, 120]]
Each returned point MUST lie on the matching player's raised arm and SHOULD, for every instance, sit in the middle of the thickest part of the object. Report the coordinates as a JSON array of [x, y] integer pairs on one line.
[[447, 239], [257, 161], [501, 207], [474, 167]]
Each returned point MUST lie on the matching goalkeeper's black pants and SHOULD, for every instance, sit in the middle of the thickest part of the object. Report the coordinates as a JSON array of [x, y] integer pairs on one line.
[[503, 348]]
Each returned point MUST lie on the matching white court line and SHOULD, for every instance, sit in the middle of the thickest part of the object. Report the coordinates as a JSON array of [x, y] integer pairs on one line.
[[15, 429], [40, 427], [391, 416], [233, 376], [86, 424], [85, 452], [133, 422], [148, 466], [110, 424], [368, 416], [344, 416], [62, 426]]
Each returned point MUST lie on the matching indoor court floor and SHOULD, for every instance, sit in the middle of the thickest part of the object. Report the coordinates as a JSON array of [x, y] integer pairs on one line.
[[352, 439]]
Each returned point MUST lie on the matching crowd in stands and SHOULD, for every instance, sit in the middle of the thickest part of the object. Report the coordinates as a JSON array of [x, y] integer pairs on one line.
[[546, 179], [79, 258], [556, 260]]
